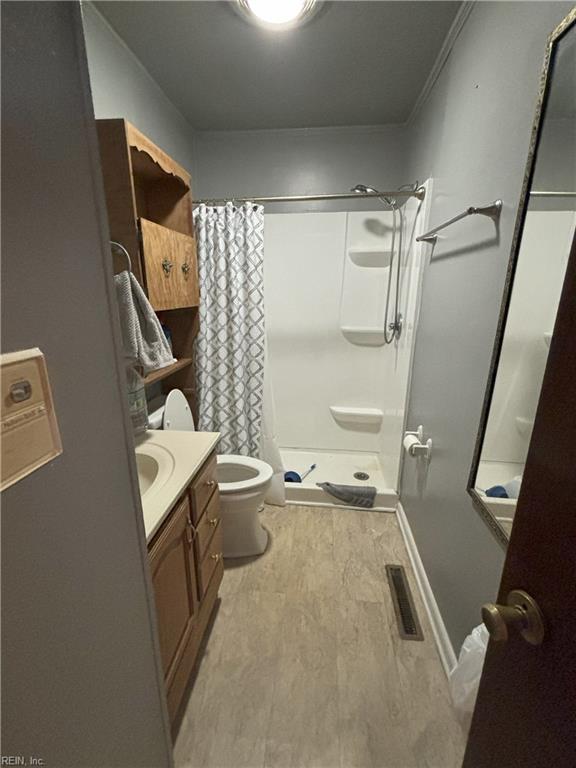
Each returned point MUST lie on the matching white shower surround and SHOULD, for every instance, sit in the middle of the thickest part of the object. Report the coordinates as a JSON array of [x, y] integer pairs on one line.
[[320, 303]]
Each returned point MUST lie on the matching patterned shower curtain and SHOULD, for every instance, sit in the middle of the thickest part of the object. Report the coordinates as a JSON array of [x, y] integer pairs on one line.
[[230, 347]]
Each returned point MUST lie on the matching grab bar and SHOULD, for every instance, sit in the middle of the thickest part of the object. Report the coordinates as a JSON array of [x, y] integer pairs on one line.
[[492, 210]]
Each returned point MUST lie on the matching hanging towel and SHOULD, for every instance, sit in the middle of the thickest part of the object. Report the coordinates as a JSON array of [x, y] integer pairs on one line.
[[354, 495], [142, 334]]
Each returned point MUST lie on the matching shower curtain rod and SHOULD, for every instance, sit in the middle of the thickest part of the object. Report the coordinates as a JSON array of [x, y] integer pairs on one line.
[[418, 193]]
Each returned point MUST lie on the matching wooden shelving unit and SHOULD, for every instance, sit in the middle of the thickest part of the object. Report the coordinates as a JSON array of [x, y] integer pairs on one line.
[[149, 201]]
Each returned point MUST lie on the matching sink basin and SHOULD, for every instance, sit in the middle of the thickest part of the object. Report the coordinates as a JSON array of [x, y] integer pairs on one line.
[[148, 469], [155, 466]]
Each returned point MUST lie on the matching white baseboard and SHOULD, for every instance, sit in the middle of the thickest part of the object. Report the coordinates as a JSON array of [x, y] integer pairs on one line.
[[445, 649]]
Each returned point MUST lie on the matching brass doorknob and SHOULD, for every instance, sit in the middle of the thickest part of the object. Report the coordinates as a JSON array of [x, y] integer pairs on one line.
[[521, 613]]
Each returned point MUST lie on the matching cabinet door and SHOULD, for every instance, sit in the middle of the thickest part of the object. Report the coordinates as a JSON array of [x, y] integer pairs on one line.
[[174, 580], [204, 485], [170, 266], [207, 525]]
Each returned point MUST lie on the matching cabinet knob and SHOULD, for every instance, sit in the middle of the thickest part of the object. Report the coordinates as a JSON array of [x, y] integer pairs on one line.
[[210, 483], [216, 556], [167, 266], [213, 521], [185, 267]]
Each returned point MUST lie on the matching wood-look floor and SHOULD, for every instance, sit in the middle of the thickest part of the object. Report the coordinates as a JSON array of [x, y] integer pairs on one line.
[[304, 667]]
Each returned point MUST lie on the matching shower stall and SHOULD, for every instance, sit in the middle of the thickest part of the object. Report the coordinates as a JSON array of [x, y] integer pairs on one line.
[[341, 304]]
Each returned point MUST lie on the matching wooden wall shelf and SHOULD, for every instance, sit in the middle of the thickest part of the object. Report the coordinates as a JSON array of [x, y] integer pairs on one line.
[[149, 201], [168, 370], [142, 182]]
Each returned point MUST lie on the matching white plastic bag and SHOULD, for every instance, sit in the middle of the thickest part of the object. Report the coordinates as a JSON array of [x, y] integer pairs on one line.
[[465, 677]]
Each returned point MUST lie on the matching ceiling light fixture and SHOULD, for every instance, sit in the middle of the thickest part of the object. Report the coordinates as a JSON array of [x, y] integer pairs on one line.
[[278, 14]]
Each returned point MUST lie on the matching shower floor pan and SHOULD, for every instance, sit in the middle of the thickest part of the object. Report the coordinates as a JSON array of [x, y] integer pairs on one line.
[[339, 468]]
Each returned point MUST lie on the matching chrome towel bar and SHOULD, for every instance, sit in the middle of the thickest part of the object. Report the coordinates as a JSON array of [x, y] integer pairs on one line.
[[492, 210]]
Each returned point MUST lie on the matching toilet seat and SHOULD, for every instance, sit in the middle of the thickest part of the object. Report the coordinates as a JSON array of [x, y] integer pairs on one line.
[[177, 414], [236, 473], [242, 485], [242, 473]]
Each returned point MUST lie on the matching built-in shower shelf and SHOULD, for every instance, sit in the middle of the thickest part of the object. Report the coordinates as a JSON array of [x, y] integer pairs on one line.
[[357, 416], [363, 337], [370, 257]]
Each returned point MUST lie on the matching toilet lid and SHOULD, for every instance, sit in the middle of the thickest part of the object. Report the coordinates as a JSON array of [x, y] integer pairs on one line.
[[177, 413]]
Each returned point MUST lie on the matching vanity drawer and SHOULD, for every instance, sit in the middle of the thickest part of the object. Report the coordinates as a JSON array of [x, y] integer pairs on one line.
[[203, 486], [211, 560], [208, 522]]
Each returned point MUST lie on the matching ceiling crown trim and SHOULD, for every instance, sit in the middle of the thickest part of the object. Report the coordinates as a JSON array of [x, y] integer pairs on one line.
[[459, 21]]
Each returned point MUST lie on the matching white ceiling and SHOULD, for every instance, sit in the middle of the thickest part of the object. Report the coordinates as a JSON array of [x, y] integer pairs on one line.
[[354, 63]]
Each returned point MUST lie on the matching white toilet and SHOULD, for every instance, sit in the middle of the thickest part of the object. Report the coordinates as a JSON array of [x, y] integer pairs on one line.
[[242, 482]]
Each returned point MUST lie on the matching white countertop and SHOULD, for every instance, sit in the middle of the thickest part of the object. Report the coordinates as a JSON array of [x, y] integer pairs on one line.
[[185, 453]]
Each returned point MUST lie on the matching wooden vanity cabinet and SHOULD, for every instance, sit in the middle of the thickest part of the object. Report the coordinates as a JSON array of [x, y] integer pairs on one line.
[[187, 567]]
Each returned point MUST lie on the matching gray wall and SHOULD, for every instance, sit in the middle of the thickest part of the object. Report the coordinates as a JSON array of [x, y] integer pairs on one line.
[[122, 87], [227, 163], [472, 138], [300, 161], [81, 683]]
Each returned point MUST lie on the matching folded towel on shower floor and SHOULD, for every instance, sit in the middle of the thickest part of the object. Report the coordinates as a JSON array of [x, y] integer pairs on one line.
[[142, 334], [354, 495]]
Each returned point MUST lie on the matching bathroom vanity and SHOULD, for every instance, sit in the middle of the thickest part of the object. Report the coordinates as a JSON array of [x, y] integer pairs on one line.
[[182, 522]]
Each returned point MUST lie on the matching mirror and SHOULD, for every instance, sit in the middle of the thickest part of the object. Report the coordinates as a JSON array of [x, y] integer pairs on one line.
[[544, 231]]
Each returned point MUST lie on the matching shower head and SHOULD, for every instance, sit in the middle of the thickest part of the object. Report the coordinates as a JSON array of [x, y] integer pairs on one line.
[[362, 189]]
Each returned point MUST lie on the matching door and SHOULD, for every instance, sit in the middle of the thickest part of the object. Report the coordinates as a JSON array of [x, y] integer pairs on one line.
[[526, 709]]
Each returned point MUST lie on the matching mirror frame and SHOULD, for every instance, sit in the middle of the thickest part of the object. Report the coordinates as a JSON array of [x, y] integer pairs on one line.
[[543, 93]]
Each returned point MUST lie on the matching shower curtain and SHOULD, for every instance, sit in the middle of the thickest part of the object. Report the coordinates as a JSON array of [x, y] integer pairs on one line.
[[233, 397]]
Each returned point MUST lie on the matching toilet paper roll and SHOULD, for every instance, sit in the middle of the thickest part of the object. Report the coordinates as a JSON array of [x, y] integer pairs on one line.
[[410, 441]]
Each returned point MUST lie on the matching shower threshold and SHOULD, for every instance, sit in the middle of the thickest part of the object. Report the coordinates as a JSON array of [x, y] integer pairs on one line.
[[335, 467]]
